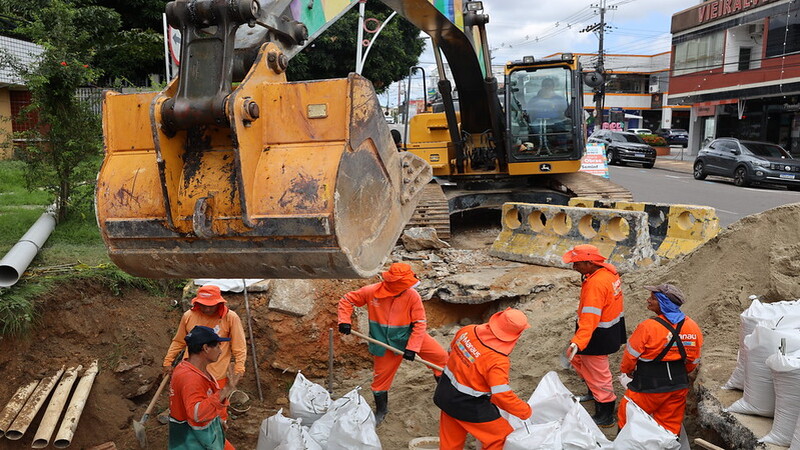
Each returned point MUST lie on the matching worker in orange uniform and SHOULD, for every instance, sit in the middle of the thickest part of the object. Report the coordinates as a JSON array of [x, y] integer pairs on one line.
[[600, 328], [660, 354], [209, 310], [396, 318], [196, 401], [475, 383]]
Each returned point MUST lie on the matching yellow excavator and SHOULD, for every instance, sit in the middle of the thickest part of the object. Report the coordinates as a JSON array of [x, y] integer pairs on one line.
[[233, 172]]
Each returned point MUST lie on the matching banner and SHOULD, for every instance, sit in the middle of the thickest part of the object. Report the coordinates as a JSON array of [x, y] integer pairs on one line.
[[594, 160]]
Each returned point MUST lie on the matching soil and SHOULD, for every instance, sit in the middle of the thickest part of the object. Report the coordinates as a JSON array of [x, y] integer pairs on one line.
[[129, 335]]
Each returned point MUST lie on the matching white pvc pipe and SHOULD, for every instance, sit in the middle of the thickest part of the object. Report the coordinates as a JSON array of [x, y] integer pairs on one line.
[[13, 265], [53, 412], [15, 405], [75, 408], [28, 412]]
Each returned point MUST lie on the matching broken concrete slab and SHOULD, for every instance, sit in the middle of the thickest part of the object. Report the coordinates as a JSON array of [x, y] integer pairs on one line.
[[294, 297], [422, 238], [487, 284]]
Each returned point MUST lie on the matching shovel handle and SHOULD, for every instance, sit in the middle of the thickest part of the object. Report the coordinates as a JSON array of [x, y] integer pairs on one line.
[[398, 351], [155, 397]]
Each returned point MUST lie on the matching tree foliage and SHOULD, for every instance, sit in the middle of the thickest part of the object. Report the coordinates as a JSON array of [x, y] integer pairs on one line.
[[333, 54], [62, 151]]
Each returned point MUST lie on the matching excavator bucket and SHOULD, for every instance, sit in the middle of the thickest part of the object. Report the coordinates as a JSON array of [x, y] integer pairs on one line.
[[304, 181]]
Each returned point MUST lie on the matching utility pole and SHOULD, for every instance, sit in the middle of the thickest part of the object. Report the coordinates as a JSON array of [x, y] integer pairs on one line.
[[600, 92]]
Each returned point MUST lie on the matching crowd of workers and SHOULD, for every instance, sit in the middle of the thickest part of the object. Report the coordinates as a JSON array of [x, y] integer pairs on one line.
[[474, 384]]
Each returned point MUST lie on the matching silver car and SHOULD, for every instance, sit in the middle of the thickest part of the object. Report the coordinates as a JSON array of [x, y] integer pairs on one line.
[[748, 162]]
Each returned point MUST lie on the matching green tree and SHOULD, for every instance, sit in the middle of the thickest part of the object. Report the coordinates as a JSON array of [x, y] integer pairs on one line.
[[333, 54], [63, 151]]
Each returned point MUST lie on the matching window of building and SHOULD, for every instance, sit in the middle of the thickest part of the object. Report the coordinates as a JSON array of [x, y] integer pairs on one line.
[[783, 36], [702, 53], [744, 58], [627, 83]]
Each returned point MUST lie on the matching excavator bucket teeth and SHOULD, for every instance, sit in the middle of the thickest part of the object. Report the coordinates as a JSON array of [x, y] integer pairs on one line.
[[314, 188]]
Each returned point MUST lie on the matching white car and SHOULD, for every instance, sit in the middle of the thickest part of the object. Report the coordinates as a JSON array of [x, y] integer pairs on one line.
[[640, 131], [389, 119]]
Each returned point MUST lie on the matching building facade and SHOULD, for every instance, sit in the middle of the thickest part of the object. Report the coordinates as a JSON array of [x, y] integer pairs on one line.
[[13, 95], [737, 62]]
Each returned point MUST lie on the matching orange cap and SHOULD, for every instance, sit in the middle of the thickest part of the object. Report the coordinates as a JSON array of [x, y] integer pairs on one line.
[[397, 279], [583, 252], [208, 295], [508, 325]]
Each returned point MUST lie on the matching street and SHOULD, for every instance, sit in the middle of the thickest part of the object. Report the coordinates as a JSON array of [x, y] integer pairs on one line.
[[731, 202]]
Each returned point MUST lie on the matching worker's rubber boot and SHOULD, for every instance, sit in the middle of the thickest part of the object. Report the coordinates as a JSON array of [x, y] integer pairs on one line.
[[381, 406], [604, 414]]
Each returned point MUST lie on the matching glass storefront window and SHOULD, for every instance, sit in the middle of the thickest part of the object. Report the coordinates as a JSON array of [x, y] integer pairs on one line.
[[783, 36], [702, 53]]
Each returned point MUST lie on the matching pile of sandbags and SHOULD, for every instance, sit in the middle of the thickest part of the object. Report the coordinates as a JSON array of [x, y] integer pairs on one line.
[[318, 423], [768, 367]]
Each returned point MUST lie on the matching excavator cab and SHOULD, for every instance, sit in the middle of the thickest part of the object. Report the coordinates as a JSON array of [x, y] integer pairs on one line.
[[544, 118], [257, 179]]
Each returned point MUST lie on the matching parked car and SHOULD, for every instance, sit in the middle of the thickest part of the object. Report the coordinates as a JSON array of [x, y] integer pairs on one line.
[[674, 136], [640, 131], [625, 147], [748, 162], [389, 119]]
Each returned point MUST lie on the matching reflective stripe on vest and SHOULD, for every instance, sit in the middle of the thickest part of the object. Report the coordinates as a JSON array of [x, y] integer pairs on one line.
[[610, 323], [461, 388]]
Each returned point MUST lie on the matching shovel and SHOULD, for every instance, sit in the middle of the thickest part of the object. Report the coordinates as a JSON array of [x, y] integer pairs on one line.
[[396, 350], [138, 427]]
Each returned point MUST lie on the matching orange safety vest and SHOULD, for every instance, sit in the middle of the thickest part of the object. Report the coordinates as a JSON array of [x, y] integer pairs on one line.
[[658, 358], [398, 321], [475, 382], [600, 328]]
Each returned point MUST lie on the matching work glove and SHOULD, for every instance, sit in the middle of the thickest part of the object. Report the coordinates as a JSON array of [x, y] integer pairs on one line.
[[344, 328], [409, 354], [572, 350]]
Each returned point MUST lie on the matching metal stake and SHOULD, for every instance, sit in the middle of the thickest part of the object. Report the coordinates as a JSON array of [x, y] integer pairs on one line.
[[330, 360], [252, 341]]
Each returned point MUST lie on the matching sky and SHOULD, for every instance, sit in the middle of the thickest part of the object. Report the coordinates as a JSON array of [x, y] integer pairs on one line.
[[540, 28]]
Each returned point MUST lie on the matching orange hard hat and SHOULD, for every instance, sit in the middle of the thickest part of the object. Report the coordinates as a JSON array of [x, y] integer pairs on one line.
[[397, 279], [583, 252], [208, 295]]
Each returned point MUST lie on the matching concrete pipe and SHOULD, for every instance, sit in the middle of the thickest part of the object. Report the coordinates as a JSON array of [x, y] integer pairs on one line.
[[14, 263], [54, 409], [15, 405], [35, 401], [75, 408]]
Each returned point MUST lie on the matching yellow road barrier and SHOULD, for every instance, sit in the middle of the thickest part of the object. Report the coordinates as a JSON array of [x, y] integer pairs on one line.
[[540, 234], [674, 229]]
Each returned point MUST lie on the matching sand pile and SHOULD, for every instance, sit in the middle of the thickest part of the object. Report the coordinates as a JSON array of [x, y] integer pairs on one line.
[[757, 255]]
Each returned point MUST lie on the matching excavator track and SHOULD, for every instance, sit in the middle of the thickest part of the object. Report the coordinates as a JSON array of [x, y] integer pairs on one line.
[[582, 184], [432, 211]]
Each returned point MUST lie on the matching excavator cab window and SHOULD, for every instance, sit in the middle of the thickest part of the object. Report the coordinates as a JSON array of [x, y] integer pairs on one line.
[[540, 108]]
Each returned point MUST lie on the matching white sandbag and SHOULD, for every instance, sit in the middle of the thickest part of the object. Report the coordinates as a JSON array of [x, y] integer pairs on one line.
[[642, 432], [786, 377], [320, 431], [307, 400], [274, 430], [579, 432], [759, 392], [298, 439], [796, 437], [355, 428], [551, 400], [540, 436], [756, 312]]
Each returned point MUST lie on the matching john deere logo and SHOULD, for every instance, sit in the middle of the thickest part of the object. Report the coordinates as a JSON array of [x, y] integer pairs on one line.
[[545, 167]]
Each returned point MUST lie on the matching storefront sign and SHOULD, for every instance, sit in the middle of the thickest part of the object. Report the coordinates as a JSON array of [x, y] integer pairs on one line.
[[791, 108], [594, 160], [712, 10], [704, 110]]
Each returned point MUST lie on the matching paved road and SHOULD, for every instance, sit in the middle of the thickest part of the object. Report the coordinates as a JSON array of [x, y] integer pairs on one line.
[[671, 181]]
